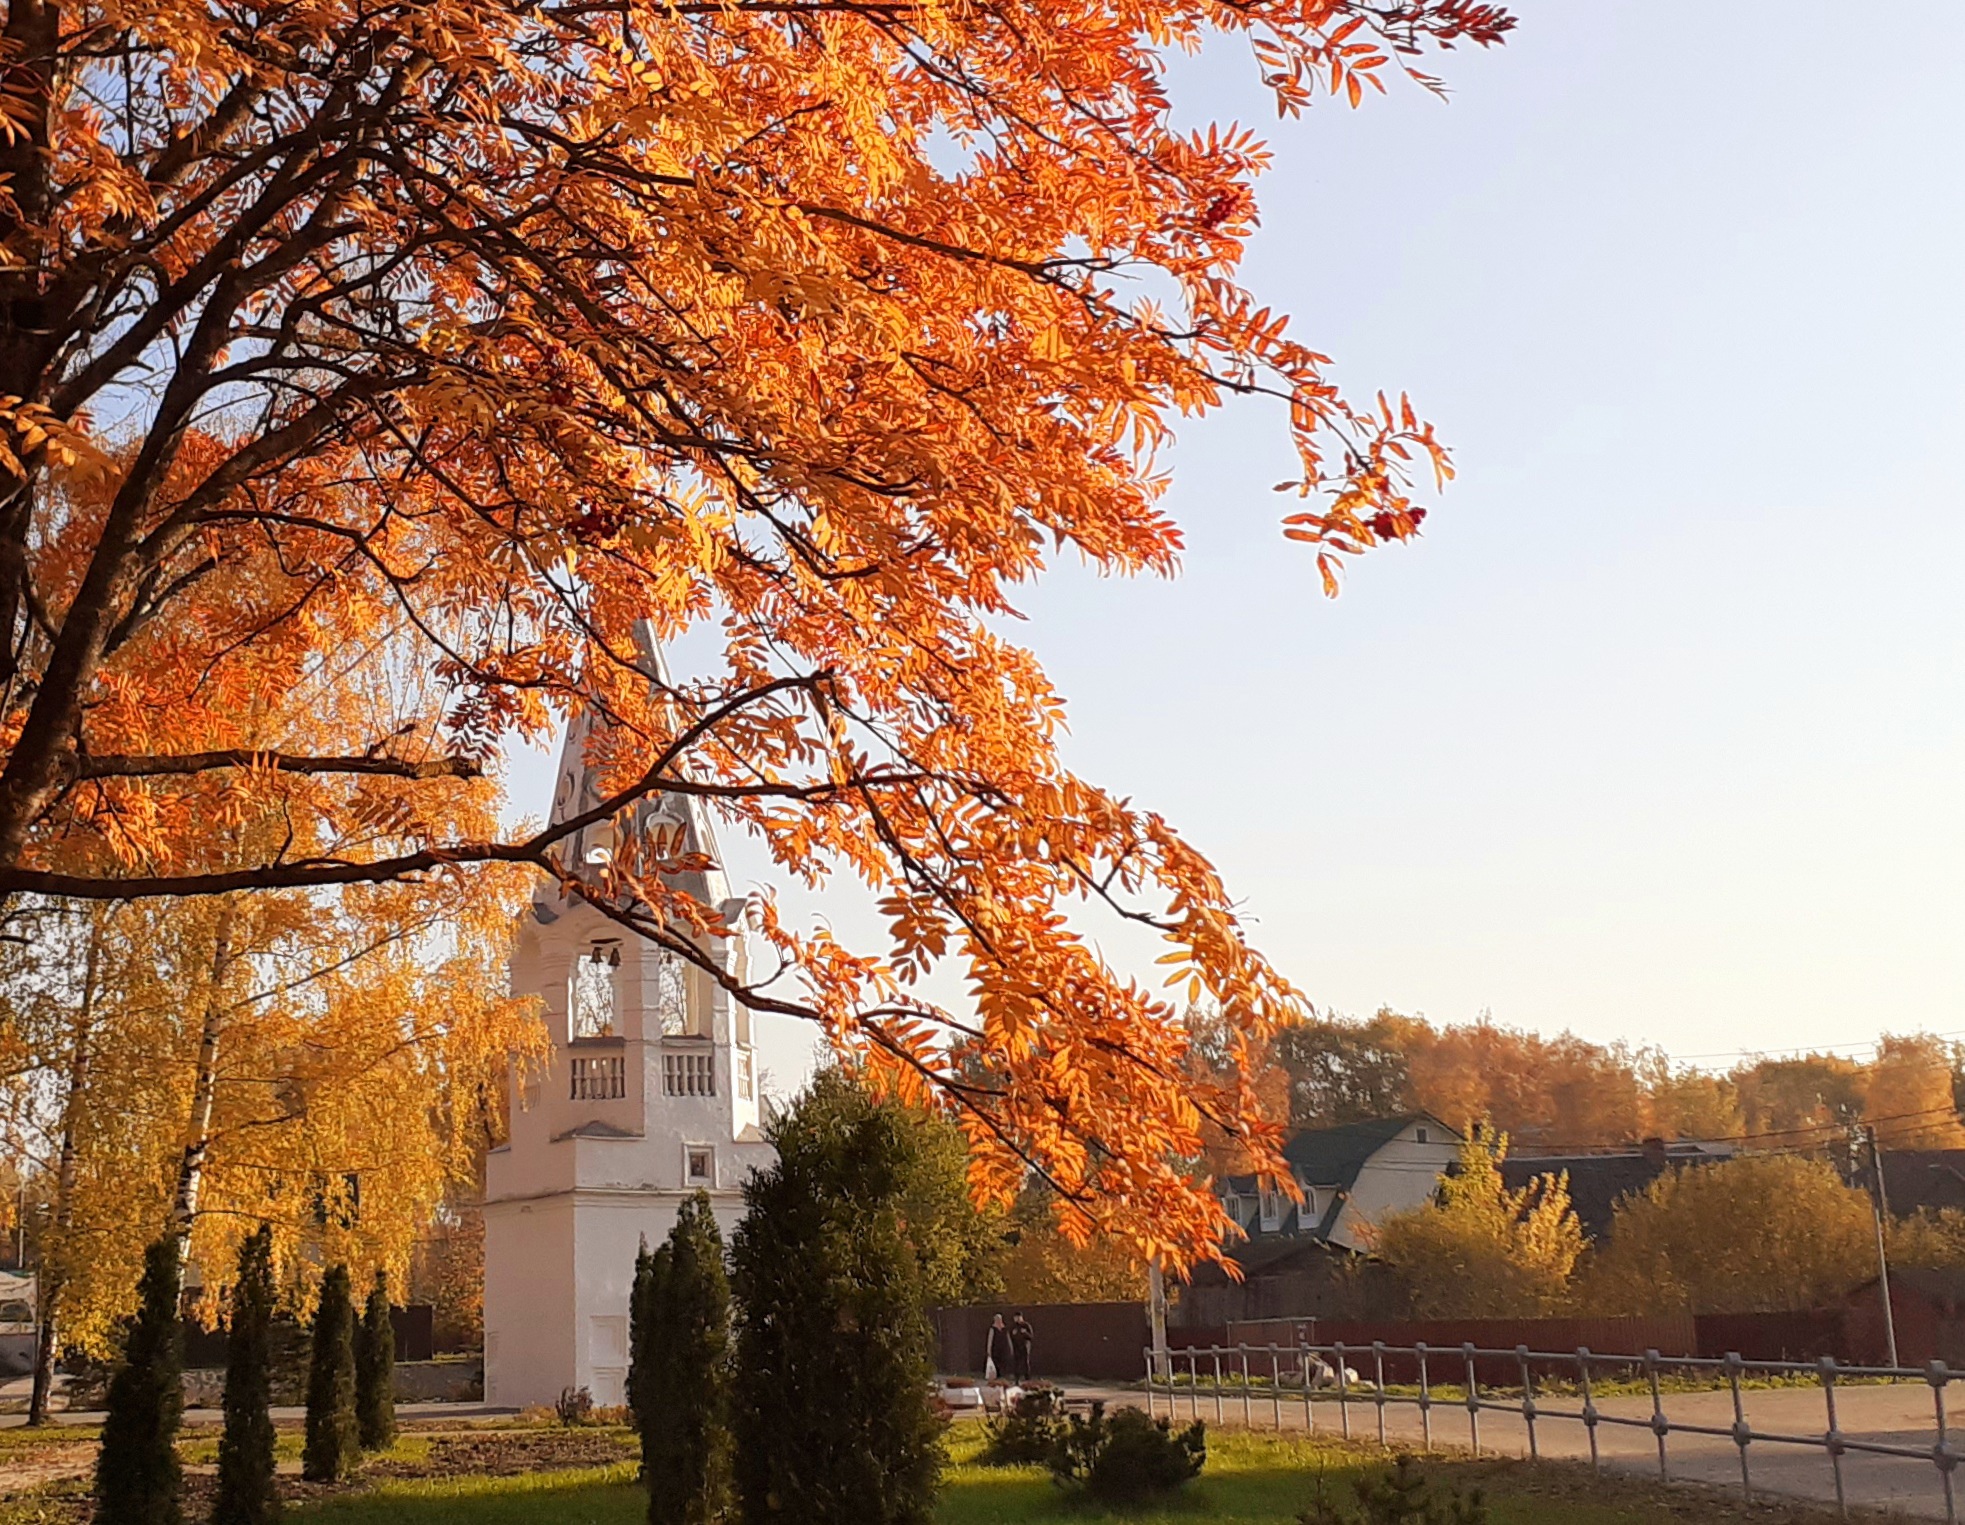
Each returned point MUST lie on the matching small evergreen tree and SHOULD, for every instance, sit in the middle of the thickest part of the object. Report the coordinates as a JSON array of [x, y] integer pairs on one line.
[[333, 1439], [834, 1419], [138, 1480], [637, 1337], [683, 1366], [246, 1492], [375, 1370]]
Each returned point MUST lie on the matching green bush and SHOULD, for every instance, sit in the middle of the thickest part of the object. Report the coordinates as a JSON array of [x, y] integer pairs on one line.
[[834, 1410], [638, 1296], [375, 1370], [1128, 1457], [1399, 1497], [333, 1439], [246, 1491], [683, 1368], [1029, 1431], [138, 1480]]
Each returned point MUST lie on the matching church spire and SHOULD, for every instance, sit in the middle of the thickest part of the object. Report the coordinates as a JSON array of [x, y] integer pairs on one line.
[[677, 821]]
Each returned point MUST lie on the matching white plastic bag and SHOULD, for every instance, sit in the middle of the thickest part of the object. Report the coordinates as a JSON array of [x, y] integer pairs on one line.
[[989, 1368]]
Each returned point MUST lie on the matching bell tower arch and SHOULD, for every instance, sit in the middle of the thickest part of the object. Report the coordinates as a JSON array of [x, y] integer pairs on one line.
[[649, 1095]]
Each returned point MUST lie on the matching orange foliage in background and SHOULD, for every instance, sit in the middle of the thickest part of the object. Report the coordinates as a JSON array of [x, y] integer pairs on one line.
[[461, 338], [1566, 1092]]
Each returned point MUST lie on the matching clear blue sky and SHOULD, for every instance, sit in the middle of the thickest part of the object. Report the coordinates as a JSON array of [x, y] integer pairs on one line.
[[1657, 733]]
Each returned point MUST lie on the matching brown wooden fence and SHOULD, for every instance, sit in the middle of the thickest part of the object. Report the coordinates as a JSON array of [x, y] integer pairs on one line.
[[1102, 1341]]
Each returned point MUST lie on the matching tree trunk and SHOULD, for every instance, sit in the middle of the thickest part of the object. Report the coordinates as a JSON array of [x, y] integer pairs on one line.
[[54, 1268], [204, 1090]]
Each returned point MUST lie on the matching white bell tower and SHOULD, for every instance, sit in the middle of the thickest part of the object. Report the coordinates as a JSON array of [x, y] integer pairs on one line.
[[651, 1094]]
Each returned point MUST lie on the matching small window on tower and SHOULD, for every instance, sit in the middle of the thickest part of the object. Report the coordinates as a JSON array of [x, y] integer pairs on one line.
[[699, 1165], [1424, 1137], [593, 991]]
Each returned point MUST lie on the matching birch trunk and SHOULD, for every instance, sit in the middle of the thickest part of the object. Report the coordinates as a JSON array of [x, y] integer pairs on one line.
[[54, 1272]]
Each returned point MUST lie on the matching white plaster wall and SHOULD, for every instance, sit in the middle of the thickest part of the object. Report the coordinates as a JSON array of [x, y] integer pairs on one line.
[[528, 1314], [611, 1226], [1404, 1173]]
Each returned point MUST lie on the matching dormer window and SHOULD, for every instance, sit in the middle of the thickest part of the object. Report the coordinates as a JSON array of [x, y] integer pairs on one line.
[[593, 991], [1271, 1209], [1422, 1135]]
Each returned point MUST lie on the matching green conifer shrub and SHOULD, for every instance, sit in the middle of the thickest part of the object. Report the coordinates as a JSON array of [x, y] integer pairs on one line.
[[246, 1491], [684, 1369], [375, 1370], [1128, 1457], [638, 1296], [1027, 1433], [138, 1480], [333, 1439], [834, 1416]]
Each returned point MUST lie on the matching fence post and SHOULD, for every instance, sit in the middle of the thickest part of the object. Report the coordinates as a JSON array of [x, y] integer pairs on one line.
[[1832, 1440], [1276, 1387], [1343, 1392], [1528, 1402], [1304, 1357], [1660, 1426], [1248, 1415], [1589, 1406], [1149, 1382], [1425, 1400], [1217, 1386], [1378, 1379], [1937, 1374], [1193, 1384], [1473, 1398], [1742, 1431]]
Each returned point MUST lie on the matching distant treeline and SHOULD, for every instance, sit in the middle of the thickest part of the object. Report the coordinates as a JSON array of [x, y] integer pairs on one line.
[[1568, 1093]]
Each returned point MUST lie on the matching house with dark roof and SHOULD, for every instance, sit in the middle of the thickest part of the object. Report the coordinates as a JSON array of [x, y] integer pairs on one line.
[[1598, 1182], [1350, 1176], [1917, 1180]]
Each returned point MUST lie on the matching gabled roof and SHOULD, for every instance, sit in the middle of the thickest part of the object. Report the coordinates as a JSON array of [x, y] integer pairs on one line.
[[1334, 1156], [1598, 1182], [594, 1129], [1924, 1178]]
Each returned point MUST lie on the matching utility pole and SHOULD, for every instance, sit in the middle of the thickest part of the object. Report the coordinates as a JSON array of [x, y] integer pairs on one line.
[[1156, 1313], [1880, 1208]]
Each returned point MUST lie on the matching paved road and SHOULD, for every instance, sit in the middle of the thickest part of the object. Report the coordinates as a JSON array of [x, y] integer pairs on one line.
[[1891, 1415]]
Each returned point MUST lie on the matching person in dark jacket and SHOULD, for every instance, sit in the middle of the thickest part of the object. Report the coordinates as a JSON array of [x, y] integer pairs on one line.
[[1020, 1338], [1001, 1356]]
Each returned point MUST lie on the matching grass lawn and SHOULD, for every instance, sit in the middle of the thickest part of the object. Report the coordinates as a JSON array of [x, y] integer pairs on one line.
[[1250, 1480]]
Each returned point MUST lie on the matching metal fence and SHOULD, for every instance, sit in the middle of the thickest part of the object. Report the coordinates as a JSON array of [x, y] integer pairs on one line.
[[1269, 1381]]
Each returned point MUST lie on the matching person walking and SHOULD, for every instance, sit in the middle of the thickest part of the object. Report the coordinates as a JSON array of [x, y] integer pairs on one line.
[[1001, 1355], [1021, 1335]]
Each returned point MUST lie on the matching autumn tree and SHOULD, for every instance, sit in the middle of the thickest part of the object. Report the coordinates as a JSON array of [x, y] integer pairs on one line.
[[1909, 1098], [457, 343], [340, 1081], [1481, 1250], [1760, 1233], [1041, 1264], [1347, 1072], [1799, 1101]]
